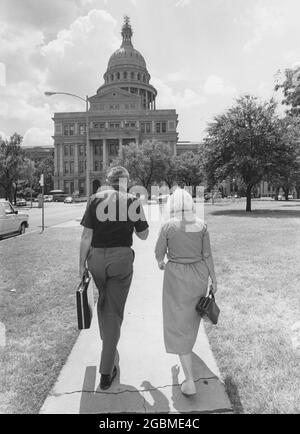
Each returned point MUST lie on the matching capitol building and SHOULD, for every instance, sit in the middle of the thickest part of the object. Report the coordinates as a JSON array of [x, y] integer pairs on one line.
[[122, 111]]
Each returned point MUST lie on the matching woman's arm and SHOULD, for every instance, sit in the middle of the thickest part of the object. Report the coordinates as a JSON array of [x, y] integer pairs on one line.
[[161, 249], [85, 244], [208, 259]]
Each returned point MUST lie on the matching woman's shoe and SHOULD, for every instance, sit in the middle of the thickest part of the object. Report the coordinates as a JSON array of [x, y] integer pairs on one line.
[[188, 388], [106, 380]]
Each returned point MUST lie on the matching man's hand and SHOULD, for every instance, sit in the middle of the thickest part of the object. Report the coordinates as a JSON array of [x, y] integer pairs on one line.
[[161, 265]]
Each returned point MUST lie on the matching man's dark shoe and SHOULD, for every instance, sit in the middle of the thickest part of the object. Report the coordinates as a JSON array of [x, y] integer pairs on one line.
[[106, 380]]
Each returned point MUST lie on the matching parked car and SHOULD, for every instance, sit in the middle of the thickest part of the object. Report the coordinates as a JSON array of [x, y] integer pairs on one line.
[[11, 221], [69, 199], [21, 202], [48, 198]]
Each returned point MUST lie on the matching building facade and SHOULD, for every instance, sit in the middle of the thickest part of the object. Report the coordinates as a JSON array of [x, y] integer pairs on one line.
[[122, 111]]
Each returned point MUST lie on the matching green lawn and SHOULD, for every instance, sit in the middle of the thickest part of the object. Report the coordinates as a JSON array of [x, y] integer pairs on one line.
[[39, 314], [257, 264]]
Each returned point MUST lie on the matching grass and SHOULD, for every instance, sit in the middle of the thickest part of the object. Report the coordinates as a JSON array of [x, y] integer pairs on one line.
[[39, 315], [257, 265]]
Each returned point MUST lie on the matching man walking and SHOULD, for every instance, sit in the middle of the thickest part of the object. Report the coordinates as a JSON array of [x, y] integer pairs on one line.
[[111, 217]]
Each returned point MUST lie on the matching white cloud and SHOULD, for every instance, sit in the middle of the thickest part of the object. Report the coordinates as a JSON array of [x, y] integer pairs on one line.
[[38, 137], [266, 21], [168, 98], [214, 85]]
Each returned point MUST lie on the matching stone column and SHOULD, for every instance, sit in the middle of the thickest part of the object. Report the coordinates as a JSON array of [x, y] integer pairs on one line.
[[76, 159], [104, 154], [61, 164], [55, 160]]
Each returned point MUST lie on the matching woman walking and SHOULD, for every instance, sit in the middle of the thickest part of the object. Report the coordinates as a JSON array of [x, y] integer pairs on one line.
[[185, 240]]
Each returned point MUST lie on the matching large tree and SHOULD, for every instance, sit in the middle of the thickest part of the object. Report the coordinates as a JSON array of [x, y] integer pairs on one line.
[[11, 161], [189, 169], [147, 163], [290, 86], [242, 143]]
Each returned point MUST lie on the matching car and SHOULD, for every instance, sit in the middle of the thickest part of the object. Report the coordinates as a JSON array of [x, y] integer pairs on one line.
[[21, 202], [69, 199], [11, 221], [48, 198]]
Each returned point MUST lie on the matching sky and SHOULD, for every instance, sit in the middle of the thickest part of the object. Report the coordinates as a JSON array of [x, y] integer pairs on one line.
[[201, 55]]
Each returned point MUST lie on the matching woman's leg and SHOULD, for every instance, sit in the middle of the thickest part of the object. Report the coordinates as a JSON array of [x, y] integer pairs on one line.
[[188, 386]]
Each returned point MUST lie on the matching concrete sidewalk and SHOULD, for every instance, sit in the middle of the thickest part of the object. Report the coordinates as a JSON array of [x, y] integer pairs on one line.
[[148, 379]]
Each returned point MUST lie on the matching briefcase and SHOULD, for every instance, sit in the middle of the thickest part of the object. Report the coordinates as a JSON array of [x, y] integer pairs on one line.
[[84, 302]]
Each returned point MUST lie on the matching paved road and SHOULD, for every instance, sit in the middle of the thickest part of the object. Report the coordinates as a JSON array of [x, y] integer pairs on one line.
[[55, 213]]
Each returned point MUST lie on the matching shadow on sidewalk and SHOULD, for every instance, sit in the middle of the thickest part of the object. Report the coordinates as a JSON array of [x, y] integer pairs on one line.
[[259, 213], [120, 398], [210, 397]]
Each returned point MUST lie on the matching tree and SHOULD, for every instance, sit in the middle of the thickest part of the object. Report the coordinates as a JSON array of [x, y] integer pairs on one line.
[[286, 173], [147, 163], [11, 160], [242, 143], [291, 90], [189, 169], [45, 166]]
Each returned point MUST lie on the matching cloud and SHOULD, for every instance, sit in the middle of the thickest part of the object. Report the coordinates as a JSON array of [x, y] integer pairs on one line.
[[38, 137], [168, 98], [79, 54], [214, 85], [266, 21]]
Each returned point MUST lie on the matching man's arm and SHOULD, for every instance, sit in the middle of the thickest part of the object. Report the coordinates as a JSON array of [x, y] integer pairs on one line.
[[143, 235], [85, 244]]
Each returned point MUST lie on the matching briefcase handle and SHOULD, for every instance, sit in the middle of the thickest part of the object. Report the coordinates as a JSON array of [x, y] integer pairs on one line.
[[85, 275]]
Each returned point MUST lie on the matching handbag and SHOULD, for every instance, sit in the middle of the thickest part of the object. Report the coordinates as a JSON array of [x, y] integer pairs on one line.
[[208, 308], [84, 302]]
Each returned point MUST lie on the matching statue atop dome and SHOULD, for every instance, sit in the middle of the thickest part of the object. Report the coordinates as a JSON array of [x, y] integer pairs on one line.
[[126, 32]]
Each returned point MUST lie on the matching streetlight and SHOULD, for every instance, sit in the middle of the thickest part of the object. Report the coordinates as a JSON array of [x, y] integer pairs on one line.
[[86, 100]]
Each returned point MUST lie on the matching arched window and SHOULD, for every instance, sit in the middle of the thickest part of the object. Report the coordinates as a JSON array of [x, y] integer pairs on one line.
[[139, 77], [111, 77], [132, 76], [144, 78], [118, 75], [125, 75]]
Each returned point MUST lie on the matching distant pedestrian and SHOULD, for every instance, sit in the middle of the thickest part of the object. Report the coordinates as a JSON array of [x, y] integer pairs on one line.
[[185, 240], [111, 217]]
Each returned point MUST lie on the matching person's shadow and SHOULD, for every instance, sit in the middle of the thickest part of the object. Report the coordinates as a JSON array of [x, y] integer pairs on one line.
[[210, 397], [119, 398]]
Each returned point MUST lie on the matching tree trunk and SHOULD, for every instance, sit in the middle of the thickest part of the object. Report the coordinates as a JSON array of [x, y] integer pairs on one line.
[[248, 198], [298, 192], [277, 193], [286, 193]]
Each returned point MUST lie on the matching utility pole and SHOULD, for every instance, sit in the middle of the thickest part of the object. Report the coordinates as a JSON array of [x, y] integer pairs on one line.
[[43, 210]]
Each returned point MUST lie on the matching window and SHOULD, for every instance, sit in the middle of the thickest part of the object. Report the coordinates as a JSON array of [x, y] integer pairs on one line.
[[71, 150], [81, 166], [81, 187], [81, 150], [139, 77], [128, 124], [111, 77], [113, 149], [144, 78], [118, 75], [98, 150], [66, 168], [71, 167], [161, 127], [7, 208], [145, 127], [125, 75], [126, 106], [66, 150], [114, 125], [69, 129], [132, 106], [82, 129], [132, 76], [96, 166]]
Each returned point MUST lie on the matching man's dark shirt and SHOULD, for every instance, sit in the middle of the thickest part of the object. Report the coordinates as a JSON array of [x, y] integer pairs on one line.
[[111, 214]]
